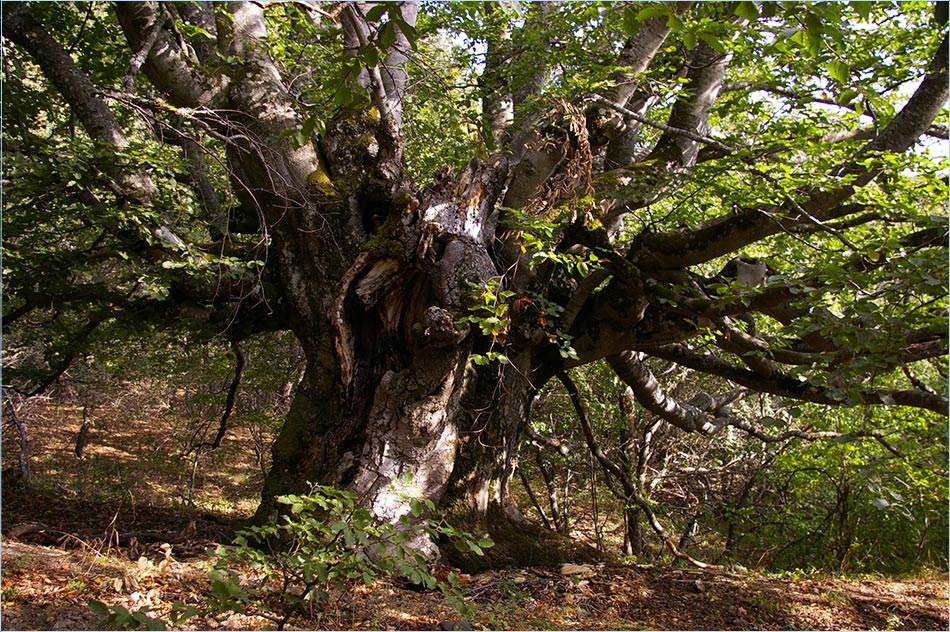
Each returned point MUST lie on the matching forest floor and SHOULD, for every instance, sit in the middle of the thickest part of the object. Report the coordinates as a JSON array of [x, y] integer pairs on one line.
[[167, 511]]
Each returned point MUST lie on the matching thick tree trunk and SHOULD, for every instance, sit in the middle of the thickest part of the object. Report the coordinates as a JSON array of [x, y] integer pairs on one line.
[[480, 494], [380, 407], [389, 407]]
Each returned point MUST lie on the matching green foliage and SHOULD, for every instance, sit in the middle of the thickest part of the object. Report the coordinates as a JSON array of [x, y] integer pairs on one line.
[[852, 505], [438, 101], [844, 504], [491, 313], [120, 618], [323, 543]]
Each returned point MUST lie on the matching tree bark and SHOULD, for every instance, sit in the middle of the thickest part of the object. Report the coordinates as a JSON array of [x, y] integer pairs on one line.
[[374, 273]]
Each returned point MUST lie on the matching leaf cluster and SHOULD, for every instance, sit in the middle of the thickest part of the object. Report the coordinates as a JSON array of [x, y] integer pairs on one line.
[[323, 542]]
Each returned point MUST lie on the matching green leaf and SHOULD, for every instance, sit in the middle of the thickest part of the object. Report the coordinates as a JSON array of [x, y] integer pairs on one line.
[[387, 35], [713, 42], [181, 612], [416, 507], [343, 96], [98, 608], [630, 22], [839, 70], [653, 12], [747, 10], [862, 8], [376, 12], [814, 31], [408, 31], [846, 96], [689, 39], [370, 56], [675, 24]]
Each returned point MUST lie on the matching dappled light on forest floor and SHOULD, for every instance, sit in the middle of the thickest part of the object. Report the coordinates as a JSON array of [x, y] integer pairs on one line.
[[48, 576], [47, 588]]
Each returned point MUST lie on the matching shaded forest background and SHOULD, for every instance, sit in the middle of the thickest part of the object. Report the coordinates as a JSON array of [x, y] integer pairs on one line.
[[844, 503], [833, 538]]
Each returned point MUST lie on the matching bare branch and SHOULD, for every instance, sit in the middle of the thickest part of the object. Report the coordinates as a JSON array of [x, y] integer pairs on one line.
[[787, 386], [631, 490], [813, 436], [229, 402], [23, 454], [651, 395], [673, 131], [128, 84]]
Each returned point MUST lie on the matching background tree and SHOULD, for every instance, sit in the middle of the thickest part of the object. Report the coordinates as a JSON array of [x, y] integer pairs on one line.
[[742, 190]]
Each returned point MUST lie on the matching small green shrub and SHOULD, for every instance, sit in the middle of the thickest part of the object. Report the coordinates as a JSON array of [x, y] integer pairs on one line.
[[324, 542], [120, 618]]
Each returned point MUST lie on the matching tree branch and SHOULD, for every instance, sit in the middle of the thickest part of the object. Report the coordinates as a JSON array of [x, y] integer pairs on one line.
[[729, 232], [669, 129], [646, 388], [154, 31], [707, 69], [635, 57], [58, 66], [813, 436], [787, 386], [631, 490], [229, 401], [169, 64]]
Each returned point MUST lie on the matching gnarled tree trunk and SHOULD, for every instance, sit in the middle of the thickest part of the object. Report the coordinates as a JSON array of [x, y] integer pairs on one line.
[[378, 276]]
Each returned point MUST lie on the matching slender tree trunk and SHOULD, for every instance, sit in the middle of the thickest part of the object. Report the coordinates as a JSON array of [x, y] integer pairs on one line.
[[635, 539]]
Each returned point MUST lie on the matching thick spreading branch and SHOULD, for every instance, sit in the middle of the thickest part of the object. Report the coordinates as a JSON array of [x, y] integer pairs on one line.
[[787, 386], [731, 232], [59, 67], [649, 393], [635, 57], [169, 64]]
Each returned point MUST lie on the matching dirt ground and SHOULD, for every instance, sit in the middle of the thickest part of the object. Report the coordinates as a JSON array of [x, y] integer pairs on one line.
[[45, 588], [59, 550]]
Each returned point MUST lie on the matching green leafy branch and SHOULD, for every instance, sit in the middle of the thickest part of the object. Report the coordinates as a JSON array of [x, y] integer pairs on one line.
[[491, 313], [323, 543]]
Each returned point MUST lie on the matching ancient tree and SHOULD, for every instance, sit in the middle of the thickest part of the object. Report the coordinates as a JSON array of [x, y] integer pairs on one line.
[[749, 190]]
